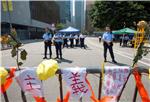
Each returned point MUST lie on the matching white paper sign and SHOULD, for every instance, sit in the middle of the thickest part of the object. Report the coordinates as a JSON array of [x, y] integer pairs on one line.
[[115, 77], [28, 81], [75, 79]]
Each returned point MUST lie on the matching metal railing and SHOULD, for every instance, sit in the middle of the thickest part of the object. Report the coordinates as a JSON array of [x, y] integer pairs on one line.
[[90, 70]]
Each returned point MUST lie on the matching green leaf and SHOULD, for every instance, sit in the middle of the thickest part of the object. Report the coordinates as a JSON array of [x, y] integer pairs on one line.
[[103, 12], [13, 43], [13, 52], [20, 63], [23, 55], [17, 45]]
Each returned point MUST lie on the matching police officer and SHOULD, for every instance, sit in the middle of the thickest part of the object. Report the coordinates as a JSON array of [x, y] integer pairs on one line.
[[65, 39], [71, 38], [108, 44], [82, 38], [121, 39], [99, 38], [58, 44], [126, 39], [77, 39], [47, 43]]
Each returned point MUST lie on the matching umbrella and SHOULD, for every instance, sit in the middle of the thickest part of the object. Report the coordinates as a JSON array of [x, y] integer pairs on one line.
[[124, 31], [69, 30]]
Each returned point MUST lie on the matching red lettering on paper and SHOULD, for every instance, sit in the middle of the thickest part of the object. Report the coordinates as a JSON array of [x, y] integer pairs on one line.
[[77, 85]]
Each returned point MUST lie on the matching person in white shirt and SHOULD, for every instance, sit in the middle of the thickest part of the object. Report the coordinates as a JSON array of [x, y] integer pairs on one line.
[[71, 38], [99, 38], [77, 39], [82, 38], [65, 39], [47, 43], [58, 40], [126, 39]]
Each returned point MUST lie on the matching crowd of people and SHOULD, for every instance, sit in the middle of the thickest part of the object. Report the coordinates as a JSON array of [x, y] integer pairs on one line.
[[60, 41], [124, 40]]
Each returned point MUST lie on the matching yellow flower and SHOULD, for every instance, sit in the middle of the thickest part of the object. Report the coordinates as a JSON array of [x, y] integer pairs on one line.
[[47, 69], [3, 75]]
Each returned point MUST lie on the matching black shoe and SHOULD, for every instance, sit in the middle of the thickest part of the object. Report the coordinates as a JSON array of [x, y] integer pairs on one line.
[[105, 60], [44, 57], [56, 57], [114, 61], [60, 57]]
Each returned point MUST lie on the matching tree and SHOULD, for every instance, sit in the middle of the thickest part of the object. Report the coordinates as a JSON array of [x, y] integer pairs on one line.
[[118, 13], [60, 26]]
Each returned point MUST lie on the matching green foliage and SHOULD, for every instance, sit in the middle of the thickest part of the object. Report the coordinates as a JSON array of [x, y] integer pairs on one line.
[[12, 42], [13, 52], [20, 63], [23, 55], [85, 32], [138, 54], [141, 51], [118, 13], [60, 26], [16, 49]]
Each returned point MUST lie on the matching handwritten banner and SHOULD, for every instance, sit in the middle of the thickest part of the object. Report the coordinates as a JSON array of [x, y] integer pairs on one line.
[[75, 79], [115, 77], [28, 81]]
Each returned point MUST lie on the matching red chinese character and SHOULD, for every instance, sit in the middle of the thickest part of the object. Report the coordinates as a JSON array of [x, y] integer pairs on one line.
[[107, 91], [30, 83], [114, 75], [29, 78], [108, 83], [77, 85], [120, 77], [125, 70]]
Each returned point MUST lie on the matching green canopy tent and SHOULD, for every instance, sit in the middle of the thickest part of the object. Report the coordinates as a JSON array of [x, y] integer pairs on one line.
[[124, 31]]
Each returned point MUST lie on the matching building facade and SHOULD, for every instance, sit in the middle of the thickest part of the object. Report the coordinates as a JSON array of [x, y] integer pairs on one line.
[[64, 11], [29, 18], [88, 24], [78, 13]]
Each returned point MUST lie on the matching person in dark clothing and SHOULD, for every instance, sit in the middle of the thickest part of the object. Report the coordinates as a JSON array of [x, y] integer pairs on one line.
[[65, 39], [108, 44], [120, 40], [47, 43], [71, 41], [99, 38], [58, 44], [77, 40], [82, 38], [126, 39]]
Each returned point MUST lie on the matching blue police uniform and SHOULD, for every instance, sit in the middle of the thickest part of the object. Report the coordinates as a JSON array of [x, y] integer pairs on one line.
[[58, 44], [108, 44], [47, 43]]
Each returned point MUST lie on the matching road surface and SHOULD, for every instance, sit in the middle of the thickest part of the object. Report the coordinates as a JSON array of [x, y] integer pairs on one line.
[[72, 57]]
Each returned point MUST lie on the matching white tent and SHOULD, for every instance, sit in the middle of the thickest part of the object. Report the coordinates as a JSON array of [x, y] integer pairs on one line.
[[69, 30]]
